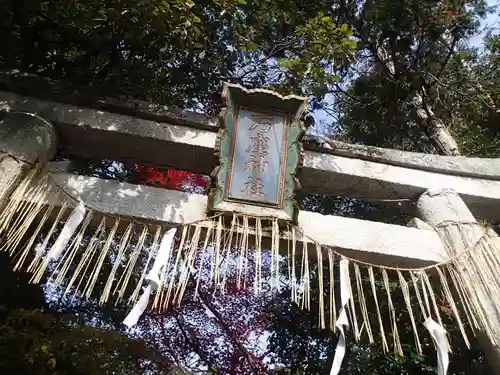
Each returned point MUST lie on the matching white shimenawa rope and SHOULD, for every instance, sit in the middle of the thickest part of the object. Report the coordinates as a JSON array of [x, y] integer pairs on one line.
[[438, 334], [342, 321], [153, 277]]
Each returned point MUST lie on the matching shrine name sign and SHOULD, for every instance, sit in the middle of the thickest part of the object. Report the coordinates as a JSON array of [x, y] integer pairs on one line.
[[259, 152]]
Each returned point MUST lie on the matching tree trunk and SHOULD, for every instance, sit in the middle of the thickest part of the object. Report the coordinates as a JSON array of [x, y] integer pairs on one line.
[[433, 127]]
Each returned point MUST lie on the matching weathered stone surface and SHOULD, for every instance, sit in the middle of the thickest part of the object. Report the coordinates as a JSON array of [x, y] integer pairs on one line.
[[370, 241], [27, 137], [10, 172], [389, 174], [63, 92], [487, 168], [324, 173], [438, 206], [24, 139], [97, 134]]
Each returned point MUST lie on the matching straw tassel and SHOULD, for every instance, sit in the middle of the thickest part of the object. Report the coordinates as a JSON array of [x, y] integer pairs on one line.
[[274, 254], [425, 312], [18, 214], [64, 264], [91, 252], [118, 261], [154, 245], [124, 280], [379, 316], [214, 269], [392, 314], [243, 248], [451, 302], [40, 251], [19, 264], [100, 261], [406, 297], [321, 307], [353, 314], [29, 212], [469, 287], [208, 236], [246, 252], [20, 226], [166, 300], [258, 256], [188, 269], [293, 275], [306, 303], [16, 199], [64, 237], [289, 259], [161, 266], [226, 246], [333, 305], [362, 303], [86, 259], [302, 275], [466, 305], [427, 284]]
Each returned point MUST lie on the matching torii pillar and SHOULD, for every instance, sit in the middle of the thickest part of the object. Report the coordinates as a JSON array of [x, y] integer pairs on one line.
[[438, 206], [24, 140]]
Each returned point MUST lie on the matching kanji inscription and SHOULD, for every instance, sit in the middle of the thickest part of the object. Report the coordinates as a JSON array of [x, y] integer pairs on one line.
[[256, 172]]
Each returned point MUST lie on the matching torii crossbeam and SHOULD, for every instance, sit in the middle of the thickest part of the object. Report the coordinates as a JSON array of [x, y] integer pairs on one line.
[[153, 135]]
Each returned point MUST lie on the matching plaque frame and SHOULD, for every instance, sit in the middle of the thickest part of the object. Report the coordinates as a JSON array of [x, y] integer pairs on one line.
[[291, 107]]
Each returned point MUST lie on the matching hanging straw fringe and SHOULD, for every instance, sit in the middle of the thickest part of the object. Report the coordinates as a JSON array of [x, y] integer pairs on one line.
[[51, 235]]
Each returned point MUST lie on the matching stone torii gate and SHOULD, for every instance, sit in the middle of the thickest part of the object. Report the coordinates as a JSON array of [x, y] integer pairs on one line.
[[445, 188]]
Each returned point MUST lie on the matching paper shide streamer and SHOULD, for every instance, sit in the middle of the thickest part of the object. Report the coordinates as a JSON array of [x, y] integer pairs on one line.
[[153, 277], [63, 241]]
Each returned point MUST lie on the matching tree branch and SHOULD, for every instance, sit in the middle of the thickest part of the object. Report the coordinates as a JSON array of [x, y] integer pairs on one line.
[[447, 58], [241, 348], [193, 342]]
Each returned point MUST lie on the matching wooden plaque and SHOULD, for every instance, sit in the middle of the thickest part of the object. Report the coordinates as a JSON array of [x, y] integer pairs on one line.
[[259, 152]]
